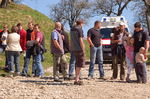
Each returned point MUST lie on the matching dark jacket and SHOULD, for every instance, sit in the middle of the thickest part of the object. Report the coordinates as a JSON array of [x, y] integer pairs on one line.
[[66, 41]]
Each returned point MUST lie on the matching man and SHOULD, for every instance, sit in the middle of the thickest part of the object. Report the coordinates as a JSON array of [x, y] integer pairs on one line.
[[118, 40], [29, 51], [94, 39], [71, 66], [23, 34], [58, 53], [78, 48], [140, 40]]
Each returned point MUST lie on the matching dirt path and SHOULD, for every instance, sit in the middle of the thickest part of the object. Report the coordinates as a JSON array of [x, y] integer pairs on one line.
[[35, 88]]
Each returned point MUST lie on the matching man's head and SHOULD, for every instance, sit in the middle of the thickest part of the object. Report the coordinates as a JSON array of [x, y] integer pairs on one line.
[[137, 26], [97, 24], [79, 23], [58, 26], [19, 25], [30, 25], [36, 27], [14, 29], [5, 27], [122, 26]]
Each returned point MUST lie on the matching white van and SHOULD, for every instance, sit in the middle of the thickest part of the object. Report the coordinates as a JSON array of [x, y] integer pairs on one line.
[[108, 23]]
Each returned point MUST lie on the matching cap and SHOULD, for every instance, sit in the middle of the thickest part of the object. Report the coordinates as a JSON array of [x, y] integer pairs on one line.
[[122, 23]]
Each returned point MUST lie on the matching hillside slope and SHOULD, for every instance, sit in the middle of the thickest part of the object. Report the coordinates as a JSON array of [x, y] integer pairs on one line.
[[20, 13]]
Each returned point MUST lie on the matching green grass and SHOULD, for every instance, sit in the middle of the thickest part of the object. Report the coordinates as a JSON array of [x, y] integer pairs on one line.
[[14, 14]]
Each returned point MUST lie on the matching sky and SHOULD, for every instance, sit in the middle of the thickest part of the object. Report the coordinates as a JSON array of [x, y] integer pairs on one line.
[[43, 6]]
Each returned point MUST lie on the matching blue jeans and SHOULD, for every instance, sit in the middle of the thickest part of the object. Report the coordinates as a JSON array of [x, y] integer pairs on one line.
[[38, 66], [1, 50], [96, 52], [6, 59], [14, 59], [26, 63], [72, 64]]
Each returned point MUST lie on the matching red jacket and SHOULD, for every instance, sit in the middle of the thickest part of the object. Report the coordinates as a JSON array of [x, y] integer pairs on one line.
[[23, 34]]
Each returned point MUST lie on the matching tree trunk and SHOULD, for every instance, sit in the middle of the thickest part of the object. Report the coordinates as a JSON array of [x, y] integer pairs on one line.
[[148, 20], [4, 3]]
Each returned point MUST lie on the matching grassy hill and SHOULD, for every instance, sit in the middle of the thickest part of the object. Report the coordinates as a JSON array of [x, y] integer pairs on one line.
[[16, 13], [20, 13]]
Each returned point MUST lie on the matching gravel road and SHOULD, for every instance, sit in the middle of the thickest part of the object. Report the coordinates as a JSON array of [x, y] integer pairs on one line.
[[35, 88]]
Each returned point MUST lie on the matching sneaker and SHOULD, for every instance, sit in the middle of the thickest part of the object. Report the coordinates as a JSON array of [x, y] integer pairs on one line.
[[103, 78], [71, 77], [58, 80], [16, 74], [128, 80], [24, 75], [40, 76], [6, 69], [10, 74], [122, 79], [112, 78], [33, 75], [90, 77], [78, 83], [66, 78]]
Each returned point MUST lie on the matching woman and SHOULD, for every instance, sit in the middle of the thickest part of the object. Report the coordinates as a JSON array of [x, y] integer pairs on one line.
[[13, 50], [4, 34], [38, 38]]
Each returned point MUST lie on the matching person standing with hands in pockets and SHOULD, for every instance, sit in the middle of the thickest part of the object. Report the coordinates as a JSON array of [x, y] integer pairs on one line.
[[57, 51], [95, 41]]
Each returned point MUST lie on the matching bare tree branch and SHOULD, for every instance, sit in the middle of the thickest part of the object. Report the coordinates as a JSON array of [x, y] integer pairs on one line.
[[68, 11], [111, 7]]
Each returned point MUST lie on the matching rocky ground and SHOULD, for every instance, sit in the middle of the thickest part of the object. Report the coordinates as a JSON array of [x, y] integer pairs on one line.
[[35, 88]]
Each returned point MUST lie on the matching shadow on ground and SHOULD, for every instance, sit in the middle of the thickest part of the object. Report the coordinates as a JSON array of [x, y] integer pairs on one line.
[[46, 81]]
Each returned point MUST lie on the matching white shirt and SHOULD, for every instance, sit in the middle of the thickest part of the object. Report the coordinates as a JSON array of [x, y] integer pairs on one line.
[[13, 42], [120, 38], [4, 35]]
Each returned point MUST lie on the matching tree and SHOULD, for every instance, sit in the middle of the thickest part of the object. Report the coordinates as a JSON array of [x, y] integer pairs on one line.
[[147, 12], [143, 12], [110, 7], [68, 11], [4, 3]]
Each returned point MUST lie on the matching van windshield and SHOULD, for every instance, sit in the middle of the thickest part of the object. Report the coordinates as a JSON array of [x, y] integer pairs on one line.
[[106, 32]]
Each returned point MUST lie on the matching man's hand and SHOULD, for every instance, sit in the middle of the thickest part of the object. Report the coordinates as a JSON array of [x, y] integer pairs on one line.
[[118, 41], [91, 45], [145, 55], [63, 37], [61, 49]]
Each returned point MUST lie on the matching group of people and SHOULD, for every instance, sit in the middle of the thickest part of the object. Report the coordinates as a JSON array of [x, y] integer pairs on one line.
[[126, 49], [26, 42], [131, 50]]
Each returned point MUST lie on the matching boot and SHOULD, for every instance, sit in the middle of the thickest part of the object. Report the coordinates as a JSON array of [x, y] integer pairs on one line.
[[128, 79]]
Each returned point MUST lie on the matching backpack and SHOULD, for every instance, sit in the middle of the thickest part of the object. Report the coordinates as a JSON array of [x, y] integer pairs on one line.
[[42, 45], [40, 48]]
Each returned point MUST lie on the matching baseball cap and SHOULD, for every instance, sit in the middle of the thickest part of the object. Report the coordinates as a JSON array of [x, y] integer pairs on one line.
[[122, 23]]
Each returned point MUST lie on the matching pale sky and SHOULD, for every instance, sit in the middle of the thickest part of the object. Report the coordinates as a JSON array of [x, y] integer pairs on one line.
[[43, 6]]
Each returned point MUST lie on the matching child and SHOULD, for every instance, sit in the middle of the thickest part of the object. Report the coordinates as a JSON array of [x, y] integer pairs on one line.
[[140, 67], [129, 56]]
